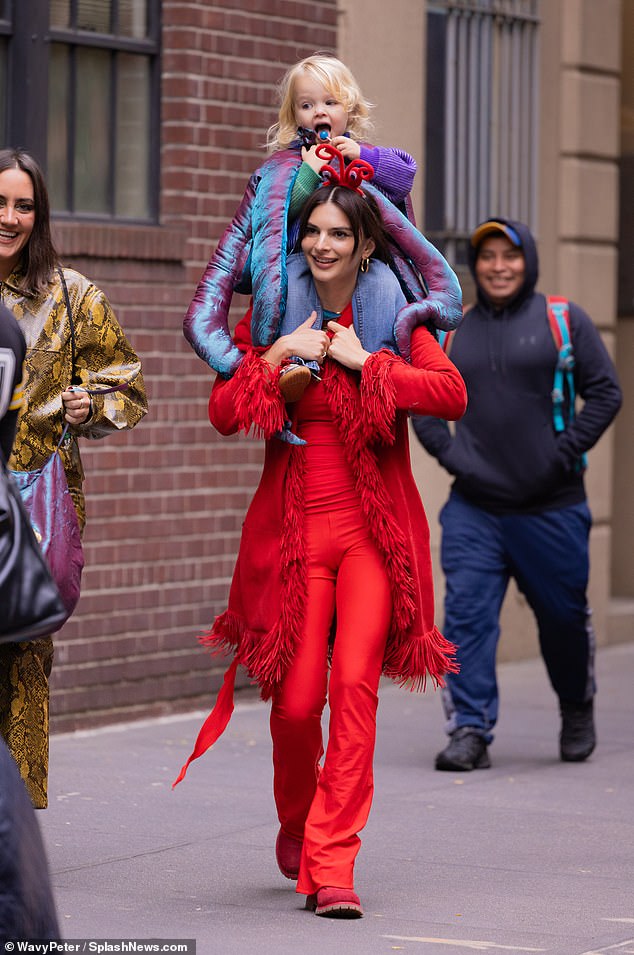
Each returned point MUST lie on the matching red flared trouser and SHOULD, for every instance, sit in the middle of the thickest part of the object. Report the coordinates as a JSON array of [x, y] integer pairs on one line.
[[328, 806]]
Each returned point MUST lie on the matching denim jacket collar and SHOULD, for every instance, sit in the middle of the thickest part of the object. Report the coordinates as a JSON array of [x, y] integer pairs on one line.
[[375, 302]]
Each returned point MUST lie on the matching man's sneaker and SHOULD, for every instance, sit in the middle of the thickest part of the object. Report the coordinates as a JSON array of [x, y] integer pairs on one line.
[[467, 750], [578, 737]]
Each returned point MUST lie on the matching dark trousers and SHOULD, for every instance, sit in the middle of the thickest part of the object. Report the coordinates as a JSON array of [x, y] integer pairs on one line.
[[547, 555]]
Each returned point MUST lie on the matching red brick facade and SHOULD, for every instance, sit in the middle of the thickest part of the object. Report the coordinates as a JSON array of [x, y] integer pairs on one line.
[[166, 502]]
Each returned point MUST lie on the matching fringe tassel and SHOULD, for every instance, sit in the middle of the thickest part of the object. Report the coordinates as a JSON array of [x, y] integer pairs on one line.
[[378, 398], [268, 660], [225, 635], [388, 535], [411, 661], [259, 402], [267, 657]]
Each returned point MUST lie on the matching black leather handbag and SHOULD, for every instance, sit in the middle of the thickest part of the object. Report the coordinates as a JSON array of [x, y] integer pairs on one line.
[[30, 604]]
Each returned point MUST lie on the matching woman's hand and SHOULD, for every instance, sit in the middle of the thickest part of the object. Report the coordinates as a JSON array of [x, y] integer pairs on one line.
[[306, 342], [77, 406], [346, 348]]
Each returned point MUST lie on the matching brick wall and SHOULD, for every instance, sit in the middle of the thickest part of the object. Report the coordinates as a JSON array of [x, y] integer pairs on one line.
[[165, 502]]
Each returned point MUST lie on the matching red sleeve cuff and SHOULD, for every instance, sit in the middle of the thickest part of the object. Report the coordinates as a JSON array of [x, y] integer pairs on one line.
[[259, 403], [378, 397]]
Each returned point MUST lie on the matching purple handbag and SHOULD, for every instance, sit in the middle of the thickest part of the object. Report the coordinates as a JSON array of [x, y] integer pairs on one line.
[[48, 503], [30, 601], [47, 500]]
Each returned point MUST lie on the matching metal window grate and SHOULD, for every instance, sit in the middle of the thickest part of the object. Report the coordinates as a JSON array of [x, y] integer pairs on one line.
[[102, 118], [482, 92]]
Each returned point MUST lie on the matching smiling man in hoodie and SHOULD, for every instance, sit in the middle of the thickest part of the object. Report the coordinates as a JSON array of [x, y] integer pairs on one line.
[[517, 506]]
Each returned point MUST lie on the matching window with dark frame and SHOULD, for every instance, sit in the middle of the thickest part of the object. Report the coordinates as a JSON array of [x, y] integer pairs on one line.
[[88, 108], [481, 117]]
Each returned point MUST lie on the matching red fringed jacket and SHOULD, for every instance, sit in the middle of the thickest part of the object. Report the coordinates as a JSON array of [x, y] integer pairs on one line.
[[268, 593]]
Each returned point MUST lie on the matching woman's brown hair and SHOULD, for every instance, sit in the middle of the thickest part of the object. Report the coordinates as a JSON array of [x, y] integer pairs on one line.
[[39, 257]]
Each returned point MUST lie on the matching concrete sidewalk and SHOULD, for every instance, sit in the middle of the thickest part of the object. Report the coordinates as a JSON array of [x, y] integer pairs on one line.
[[532, 855]]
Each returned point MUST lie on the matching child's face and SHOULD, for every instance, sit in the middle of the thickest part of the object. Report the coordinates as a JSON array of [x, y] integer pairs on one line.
[[316, 108]]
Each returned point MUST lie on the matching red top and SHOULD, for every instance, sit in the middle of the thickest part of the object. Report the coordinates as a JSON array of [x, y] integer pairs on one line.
[[328, 478]]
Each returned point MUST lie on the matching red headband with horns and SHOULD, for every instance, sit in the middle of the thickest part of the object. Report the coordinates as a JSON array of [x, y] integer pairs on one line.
[[350, 176]]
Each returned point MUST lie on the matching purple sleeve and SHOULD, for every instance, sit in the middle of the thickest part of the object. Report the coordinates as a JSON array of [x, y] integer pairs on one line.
[[394, 170]]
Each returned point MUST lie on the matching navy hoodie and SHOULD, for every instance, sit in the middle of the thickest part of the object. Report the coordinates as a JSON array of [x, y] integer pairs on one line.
[[505, 454]]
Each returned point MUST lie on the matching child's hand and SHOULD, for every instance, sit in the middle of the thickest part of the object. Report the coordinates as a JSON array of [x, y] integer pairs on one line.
[[349, 148], [346, 348], [310, 156]]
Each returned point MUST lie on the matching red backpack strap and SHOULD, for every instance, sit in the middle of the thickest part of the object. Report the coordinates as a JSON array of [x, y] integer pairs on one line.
[[443, 340], [558, 311]]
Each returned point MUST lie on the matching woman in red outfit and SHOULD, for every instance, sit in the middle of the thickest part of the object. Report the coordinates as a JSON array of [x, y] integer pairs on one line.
[[333, 583]]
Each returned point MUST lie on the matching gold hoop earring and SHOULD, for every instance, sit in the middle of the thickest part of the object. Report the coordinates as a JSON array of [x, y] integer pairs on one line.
[[365, 264]]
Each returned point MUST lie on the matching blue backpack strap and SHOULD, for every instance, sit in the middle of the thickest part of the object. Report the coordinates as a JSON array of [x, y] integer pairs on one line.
[[559, 320]]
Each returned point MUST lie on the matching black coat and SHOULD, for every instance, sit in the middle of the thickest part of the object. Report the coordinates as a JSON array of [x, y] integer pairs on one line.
[[27, 909]]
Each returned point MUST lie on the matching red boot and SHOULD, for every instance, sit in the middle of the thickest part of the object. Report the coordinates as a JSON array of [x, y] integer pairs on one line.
[[288, 851], [335, 903]]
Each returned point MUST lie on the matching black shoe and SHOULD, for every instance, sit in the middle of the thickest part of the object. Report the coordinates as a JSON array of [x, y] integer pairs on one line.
[[467, 750], [578, 737]]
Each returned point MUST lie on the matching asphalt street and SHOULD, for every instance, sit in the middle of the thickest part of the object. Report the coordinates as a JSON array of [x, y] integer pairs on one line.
[[532, 855]]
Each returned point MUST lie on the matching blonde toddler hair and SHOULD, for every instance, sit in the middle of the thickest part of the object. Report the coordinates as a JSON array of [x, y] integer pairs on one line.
[[338, 80]]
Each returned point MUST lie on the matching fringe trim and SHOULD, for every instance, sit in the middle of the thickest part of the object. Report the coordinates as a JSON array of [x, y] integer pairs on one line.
[[267, 658], [345, 403], [259, 402], [378, 398], [225, 634], [409, 662]]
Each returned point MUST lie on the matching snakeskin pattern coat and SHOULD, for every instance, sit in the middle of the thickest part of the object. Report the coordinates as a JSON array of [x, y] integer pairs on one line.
[[103, 358]]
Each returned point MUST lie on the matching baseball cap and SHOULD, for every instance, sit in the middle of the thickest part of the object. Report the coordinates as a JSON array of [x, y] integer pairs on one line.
[[490, 228]]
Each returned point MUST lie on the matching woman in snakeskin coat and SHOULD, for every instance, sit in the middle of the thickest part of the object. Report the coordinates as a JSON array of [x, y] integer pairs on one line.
[[32, 286]]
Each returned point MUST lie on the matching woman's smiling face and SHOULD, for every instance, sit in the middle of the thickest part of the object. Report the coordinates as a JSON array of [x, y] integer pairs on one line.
[[17, 217], [329, 247]]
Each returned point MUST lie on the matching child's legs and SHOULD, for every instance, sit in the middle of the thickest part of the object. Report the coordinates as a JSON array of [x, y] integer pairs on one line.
[[344, 791]]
